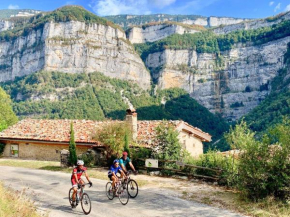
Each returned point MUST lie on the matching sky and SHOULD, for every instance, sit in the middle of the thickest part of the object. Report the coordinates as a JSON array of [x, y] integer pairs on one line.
[[227, 8]]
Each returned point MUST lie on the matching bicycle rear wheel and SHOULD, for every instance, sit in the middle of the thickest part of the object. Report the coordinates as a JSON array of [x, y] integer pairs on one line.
[[86, 203], [132, 188], [70, 193], [123, 195], [109, 191]]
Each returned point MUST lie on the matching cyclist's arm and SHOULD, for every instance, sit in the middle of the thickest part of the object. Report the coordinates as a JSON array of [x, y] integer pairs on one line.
[[123, 174], [132, 166], [87, 176], [123, 167]]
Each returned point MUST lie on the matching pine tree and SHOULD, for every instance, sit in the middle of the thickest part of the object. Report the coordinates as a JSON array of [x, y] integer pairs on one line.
[[72, 147]]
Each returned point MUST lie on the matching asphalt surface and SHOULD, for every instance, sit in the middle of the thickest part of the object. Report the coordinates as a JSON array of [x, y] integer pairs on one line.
[[50, 189]]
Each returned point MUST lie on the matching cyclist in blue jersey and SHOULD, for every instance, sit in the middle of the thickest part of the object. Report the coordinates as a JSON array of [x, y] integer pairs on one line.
[[114, 169], [124, 161]]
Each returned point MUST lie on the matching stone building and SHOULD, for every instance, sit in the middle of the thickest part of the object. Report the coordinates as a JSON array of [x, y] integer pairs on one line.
[[44, 139]]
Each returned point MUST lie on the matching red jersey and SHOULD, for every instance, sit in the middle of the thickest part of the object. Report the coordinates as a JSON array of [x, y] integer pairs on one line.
[[79, 172]]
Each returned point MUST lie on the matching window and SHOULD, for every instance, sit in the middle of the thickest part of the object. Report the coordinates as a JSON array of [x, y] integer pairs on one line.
[[14, 151], [184, 144]]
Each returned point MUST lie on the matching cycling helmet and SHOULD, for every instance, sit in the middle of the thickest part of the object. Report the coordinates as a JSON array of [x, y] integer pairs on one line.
[[80, 163], [116, 161], [125, 153]]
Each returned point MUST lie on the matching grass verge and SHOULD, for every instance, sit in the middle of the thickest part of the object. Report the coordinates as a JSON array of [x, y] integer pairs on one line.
[[232, 200], [14, 204]]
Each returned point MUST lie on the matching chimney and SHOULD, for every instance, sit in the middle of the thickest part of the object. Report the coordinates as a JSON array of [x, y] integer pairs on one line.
[[131, 118]]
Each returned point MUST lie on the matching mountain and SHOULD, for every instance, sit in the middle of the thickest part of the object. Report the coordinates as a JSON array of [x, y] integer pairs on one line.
[[72, 40], [70, 63], [227, 73], [127, 21]]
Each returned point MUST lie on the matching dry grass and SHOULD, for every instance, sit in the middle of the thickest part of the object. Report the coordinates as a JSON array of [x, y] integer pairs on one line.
[[232, 200], [15, 204]]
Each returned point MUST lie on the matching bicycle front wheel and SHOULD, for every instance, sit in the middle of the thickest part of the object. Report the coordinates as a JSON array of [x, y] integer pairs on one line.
[[86, 203], [109, 191], [132, 188], [123, 195], [70, 193]]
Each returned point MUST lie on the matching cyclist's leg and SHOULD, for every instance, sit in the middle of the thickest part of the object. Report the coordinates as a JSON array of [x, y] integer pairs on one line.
[[75, 188], [114, 182]]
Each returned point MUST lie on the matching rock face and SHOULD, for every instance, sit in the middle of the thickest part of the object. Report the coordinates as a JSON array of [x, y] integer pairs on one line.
[[252, 24], [73, 47], [155, 32], [133, 20], [214, 21], [6, 25], [231, 84]]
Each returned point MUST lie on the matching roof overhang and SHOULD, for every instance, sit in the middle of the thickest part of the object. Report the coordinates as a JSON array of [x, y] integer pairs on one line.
[[204, 137], [45, 142]]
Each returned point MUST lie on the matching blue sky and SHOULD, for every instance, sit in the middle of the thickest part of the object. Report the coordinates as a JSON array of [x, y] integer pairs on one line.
[[229, 8]]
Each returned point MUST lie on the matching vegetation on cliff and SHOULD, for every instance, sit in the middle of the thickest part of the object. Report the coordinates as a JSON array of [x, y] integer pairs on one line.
[[95, 96], [63, 14], [208, 42]]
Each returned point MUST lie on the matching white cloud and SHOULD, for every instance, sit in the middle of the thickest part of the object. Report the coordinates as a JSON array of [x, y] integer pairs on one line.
[[277, 7], [161, 3], [271, 3], [114, 7], [13, 6], [287, 8]]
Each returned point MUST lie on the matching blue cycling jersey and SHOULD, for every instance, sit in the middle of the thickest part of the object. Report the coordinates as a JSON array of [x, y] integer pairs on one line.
[[114, 169]]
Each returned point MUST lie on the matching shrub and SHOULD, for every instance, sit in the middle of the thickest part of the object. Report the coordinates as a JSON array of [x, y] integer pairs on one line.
[[88, 158], [264, 166], [112, 136], [215, 160]]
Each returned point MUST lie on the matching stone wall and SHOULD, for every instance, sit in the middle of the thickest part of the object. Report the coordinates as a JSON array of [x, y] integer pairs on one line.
[[192, 144], [39, 151]]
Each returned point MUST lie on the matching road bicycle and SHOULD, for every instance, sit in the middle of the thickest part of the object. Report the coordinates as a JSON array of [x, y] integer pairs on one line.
[[120, 191], [82, 197], [132, 186]]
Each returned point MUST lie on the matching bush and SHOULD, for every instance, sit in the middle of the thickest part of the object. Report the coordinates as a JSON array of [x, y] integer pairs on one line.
[[264, 166], [88, 159], [214, 160]]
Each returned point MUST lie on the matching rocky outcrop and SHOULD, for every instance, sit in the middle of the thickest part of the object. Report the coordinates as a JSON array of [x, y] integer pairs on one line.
[[231, 84], [73, 47], [137, 20], [6, 25], [252, 24], [214, 21], [156, 32]]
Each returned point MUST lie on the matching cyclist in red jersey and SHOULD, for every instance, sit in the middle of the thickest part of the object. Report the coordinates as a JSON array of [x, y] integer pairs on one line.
[[76, 179]]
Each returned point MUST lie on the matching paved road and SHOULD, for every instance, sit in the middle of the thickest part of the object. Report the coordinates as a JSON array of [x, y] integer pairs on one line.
[[50, 192]]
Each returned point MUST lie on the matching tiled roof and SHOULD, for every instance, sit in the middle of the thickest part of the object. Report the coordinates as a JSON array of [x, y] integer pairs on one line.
[[59, 130], [53, 130]]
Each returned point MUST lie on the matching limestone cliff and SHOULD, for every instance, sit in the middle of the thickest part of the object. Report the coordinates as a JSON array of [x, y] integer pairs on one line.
[[73, 47], [155, 32], [252, 24], [232, 84], [132, 20]]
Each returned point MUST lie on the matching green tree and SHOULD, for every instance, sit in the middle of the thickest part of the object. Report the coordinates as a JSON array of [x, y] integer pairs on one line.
[[168, 146], [72, 147], [7, 116], [112, 136]]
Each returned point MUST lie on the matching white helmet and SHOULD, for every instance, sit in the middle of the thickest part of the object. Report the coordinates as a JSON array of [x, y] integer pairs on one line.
[[80, 163]]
